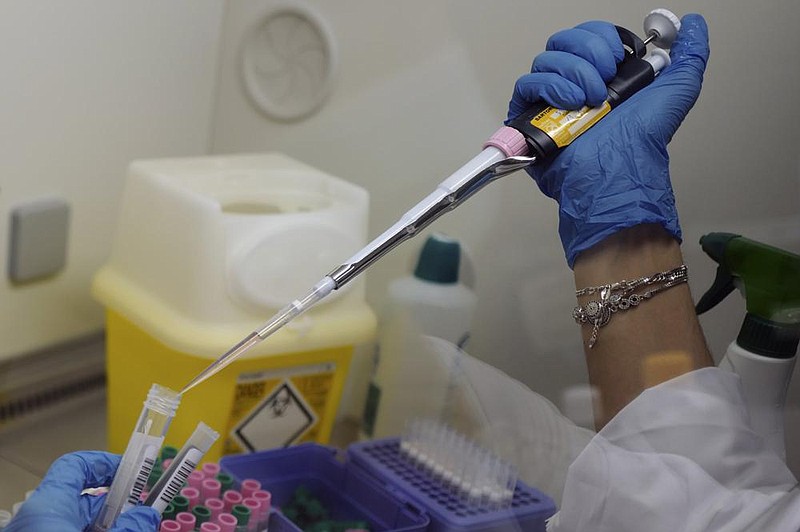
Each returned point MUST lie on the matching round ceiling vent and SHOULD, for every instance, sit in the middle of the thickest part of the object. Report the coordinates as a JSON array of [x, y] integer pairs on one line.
[[288, 62]]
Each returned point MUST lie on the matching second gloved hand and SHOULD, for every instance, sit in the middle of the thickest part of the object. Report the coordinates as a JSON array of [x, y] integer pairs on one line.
[[616, 175], [58, 506]]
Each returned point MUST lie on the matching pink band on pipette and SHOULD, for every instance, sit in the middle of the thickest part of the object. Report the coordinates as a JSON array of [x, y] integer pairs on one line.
[[508, 140]]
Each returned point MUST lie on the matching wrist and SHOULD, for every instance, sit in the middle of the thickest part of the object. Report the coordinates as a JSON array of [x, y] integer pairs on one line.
[[627, 254]]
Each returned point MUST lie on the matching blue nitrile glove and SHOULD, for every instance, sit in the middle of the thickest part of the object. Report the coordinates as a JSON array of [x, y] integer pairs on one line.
[[616, 175], [58, 506]]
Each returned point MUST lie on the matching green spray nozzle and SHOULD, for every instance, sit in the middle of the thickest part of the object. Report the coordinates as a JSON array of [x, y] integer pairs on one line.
[[769, 277]]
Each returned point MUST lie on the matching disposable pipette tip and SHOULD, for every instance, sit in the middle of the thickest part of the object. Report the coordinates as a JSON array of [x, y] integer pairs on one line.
[[219, 364]]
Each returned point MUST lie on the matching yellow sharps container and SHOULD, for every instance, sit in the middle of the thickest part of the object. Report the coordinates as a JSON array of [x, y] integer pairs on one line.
[[206, 250]]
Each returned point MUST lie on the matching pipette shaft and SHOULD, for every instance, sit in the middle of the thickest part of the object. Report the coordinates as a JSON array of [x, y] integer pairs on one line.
[[486, 167]]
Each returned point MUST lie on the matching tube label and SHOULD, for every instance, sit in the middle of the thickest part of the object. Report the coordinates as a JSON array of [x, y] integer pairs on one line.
[[146, 461], [176, 480], [565, 126]]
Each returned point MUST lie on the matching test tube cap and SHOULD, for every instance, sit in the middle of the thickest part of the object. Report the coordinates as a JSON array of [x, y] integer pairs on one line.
[[201, 513], [180, 503], [210, 469], [216, 505], [226, 481], [195, 479], [265, 498], [210, 487], [227, 522], [169, 512], [249, 486], [231, 498], [241, 513], [168, 452], [186, 519], [254, 505], [170, 525], [192, 494]]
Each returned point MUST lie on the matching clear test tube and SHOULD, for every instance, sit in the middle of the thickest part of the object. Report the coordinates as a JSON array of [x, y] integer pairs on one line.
[[140, 455], [187, 459]]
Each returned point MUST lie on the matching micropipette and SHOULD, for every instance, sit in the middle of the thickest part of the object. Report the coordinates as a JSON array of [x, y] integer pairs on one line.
[[536, 135]]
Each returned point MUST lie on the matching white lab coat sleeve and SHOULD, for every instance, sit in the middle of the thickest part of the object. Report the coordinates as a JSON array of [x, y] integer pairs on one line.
[[682, 457]]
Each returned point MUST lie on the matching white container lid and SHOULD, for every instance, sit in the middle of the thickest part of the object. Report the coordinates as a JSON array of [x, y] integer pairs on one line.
[[207, 248]]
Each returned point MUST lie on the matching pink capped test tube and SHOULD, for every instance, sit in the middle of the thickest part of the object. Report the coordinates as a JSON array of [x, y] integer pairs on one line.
[[210, 469], [193, 494], [195, 479], [255, 513], [231, 499], [227, 522], [210, 488], [208, 526], [170, 525], [265, 499], [186, 520], [216, 505], [249, 485]]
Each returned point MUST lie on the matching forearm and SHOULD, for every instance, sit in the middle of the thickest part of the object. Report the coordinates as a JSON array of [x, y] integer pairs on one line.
[[659, 339]]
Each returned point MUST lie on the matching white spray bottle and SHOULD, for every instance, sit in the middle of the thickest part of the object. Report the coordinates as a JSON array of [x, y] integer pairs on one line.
[[765, 351]]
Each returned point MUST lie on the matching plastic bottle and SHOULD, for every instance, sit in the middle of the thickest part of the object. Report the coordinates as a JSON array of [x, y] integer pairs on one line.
[[765, 351], [409, 380]]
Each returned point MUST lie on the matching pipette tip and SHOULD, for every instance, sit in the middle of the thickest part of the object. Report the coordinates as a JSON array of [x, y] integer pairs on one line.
[[219, 364]]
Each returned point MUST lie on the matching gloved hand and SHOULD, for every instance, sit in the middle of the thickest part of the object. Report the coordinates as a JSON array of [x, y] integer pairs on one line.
[[58, 506], [615, 175]]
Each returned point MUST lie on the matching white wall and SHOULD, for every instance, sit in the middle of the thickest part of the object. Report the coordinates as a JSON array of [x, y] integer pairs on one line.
[[421, 84], [88, 85]]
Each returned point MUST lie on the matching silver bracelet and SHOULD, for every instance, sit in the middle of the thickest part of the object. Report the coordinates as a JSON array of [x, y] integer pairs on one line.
[[620, 296]]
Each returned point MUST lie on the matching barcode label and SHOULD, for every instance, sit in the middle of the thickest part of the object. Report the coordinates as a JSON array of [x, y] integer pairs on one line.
[[177, 475], [141, 480], [176, 483]]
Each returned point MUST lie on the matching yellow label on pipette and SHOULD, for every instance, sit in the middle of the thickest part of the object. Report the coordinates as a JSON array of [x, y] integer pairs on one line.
[[565, 126]]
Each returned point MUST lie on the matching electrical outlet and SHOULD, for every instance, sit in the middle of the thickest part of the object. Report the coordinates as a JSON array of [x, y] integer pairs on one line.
[[38, 240]]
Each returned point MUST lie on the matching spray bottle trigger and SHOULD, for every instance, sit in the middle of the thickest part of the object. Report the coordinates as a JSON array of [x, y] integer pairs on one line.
[[723, 285], [715, 246]]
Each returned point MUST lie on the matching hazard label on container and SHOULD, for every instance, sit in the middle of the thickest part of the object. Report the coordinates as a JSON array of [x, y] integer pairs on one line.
[[278, 408]]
